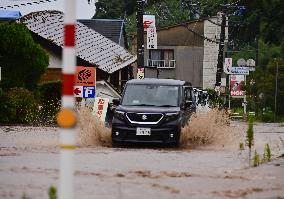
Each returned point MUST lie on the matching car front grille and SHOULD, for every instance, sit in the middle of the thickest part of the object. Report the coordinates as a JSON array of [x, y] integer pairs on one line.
[[144, 118]]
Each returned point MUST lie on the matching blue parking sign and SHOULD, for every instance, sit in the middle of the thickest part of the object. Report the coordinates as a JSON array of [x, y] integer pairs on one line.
[[89, 91]]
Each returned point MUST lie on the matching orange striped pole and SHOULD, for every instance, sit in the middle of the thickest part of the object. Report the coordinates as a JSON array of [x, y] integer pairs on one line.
[[66, 118]]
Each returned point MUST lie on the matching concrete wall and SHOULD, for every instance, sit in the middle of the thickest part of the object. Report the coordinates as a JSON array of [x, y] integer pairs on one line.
[[211, 51], [189, 60], [189, 64]]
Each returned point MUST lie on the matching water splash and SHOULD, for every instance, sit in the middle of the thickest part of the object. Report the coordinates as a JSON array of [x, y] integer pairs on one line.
[[92, 132], [210, 127]]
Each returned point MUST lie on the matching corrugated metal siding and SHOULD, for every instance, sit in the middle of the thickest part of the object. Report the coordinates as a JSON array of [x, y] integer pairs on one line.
[[91, 46]]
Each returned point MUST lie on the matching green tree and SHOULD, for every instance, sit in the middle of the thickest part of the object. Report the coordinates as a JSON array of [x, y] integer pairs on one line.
[[264, 19], [114, 9], [22, 60]]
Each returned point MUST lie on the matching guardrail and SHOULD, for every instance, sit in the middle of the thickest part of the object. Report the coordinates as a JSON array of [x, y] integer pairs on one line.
[[236, 116]]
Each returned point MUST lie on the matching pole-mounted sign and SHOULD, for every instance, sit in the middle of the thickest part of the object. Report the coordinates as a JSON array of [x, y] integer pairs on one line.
[[85, 82], [149, 21]]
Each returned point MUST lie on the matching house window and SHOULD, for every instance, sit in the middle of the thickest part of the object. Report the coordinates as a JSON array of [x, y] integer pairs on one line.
[[162, 58]]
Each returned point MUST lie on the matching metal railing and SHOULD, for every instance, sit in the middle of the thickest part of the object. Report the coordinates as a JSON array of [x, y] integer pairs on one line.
[[161, 63]]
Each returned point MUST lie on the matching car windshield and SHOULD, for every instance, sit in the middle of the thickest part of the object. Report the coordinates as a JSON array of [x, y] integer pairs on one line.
[[150, 95]]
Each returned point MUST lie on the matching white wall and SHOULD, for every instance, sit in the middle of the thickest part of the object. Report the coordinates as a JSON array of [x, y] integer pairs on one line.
[[54, 60], [211, 51]]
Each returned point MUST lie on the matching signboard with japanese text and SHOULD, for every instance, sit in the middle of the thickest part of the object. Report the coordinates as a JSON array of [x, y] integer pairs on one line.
[[240, 71], [237, 85], [100, 108], [140, 73], [151, 38], [85, 82], [148, 21], [228, 65]]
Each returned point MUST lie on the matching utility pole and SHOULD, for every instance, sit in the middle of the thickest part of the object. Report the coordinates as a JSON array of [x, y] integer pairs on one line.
[[140, 33], [221, 46]]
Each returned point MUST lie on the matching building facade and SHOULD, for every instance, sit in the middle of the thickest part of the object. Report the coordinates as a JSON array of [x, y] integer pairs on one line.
[[187, 51]]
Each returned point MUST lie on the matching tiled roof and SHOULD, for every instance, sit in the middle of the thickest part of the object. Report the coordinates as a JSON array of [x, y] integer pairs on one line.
[[90, 45], [110, 28]]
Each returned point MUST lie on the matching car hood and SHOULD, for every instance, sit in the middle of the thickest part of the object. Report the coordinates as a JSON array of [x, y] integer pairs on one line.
[[147, 109]]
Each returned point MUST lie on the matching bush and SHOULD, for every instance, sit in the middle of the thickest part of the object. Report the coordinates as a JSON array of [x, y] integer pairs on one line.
[[49, 95], [267, 116], [23, 61], [18, 105]]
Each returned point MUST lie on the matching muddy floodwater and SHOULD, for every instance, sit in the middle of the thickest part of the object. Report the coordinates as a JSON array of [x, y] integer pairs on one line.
[[29, 165]]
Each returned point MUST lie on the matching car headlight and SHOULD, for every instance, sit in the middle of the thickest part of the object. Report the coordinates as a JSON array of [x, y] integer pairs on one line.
[[171, 116], [119, 115]]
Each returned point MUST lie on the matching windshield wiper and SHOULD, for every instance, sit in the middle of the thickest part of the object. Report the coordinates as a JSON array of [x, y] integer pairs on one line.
[[143, 105], [166, 105]]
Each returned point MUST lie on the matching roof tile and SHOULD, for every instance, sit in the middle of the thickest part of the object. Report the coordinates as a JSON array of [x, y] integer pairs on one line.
[[91, 46]]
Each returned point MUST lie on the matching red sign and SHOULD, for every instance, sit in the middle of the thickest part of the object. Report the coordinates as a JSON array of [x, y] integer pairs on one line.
[[146, 24], [236, 85], [85, 76]]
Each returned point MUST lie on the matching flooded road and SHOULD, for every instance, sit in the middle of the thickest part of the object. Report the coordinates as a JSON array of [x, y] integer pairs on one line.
[[29, 162]]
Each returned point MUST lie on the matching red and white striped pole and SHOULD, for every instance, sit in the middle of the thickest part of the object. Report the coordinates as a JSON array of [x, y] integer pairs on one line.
[[67, 116]]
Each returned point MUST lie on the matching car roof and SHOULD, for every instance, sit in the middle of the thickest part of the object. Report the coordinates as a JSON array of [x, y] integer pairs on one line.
[[154, 81]]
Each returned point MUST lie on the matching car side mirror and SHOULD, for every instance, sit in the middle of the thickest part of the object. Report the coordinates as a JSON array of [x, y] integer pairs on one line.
[[188, 103], [116, 101]]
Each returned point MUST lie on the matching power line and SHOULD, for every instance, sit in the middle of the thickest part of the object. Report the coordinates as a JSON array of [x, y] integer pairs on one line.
[[168, 15], [26, 4]]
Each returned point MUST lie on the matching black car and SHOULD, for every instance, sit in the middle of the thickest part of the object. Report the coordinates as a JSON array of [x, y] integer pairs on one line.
[[152, 111]]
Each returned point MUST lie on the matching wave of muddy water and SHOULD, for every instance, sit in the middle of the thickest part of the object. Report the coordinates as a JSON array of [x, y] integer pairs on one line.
[[204, 128], [29, 163]]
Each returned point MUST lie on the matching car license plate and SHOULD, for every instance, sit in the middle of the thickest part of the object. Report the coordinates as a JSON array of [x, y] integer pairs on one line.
[[143, 131]]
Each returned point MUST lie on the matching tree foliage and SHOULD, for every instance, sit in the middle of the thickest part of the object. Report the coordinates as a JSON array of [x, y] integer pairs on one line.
[[22, 60], [114, 9], [264, 19]]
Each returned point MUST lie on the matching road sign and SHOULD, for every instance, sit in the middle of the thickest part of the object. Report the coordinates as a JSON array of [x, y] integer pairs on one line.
[[241, 62], [89, 91], [251, 64], [85, 82], [140, 73], [228, 65], [78, 91], [151, 38], [240, 70], [85, 76], [236, 85]]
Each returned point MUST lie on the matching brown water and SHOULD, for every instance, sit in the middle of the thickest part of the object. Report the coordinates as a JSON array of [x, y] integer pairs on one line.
[[212, 127], [92, 132], [204, 128]]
